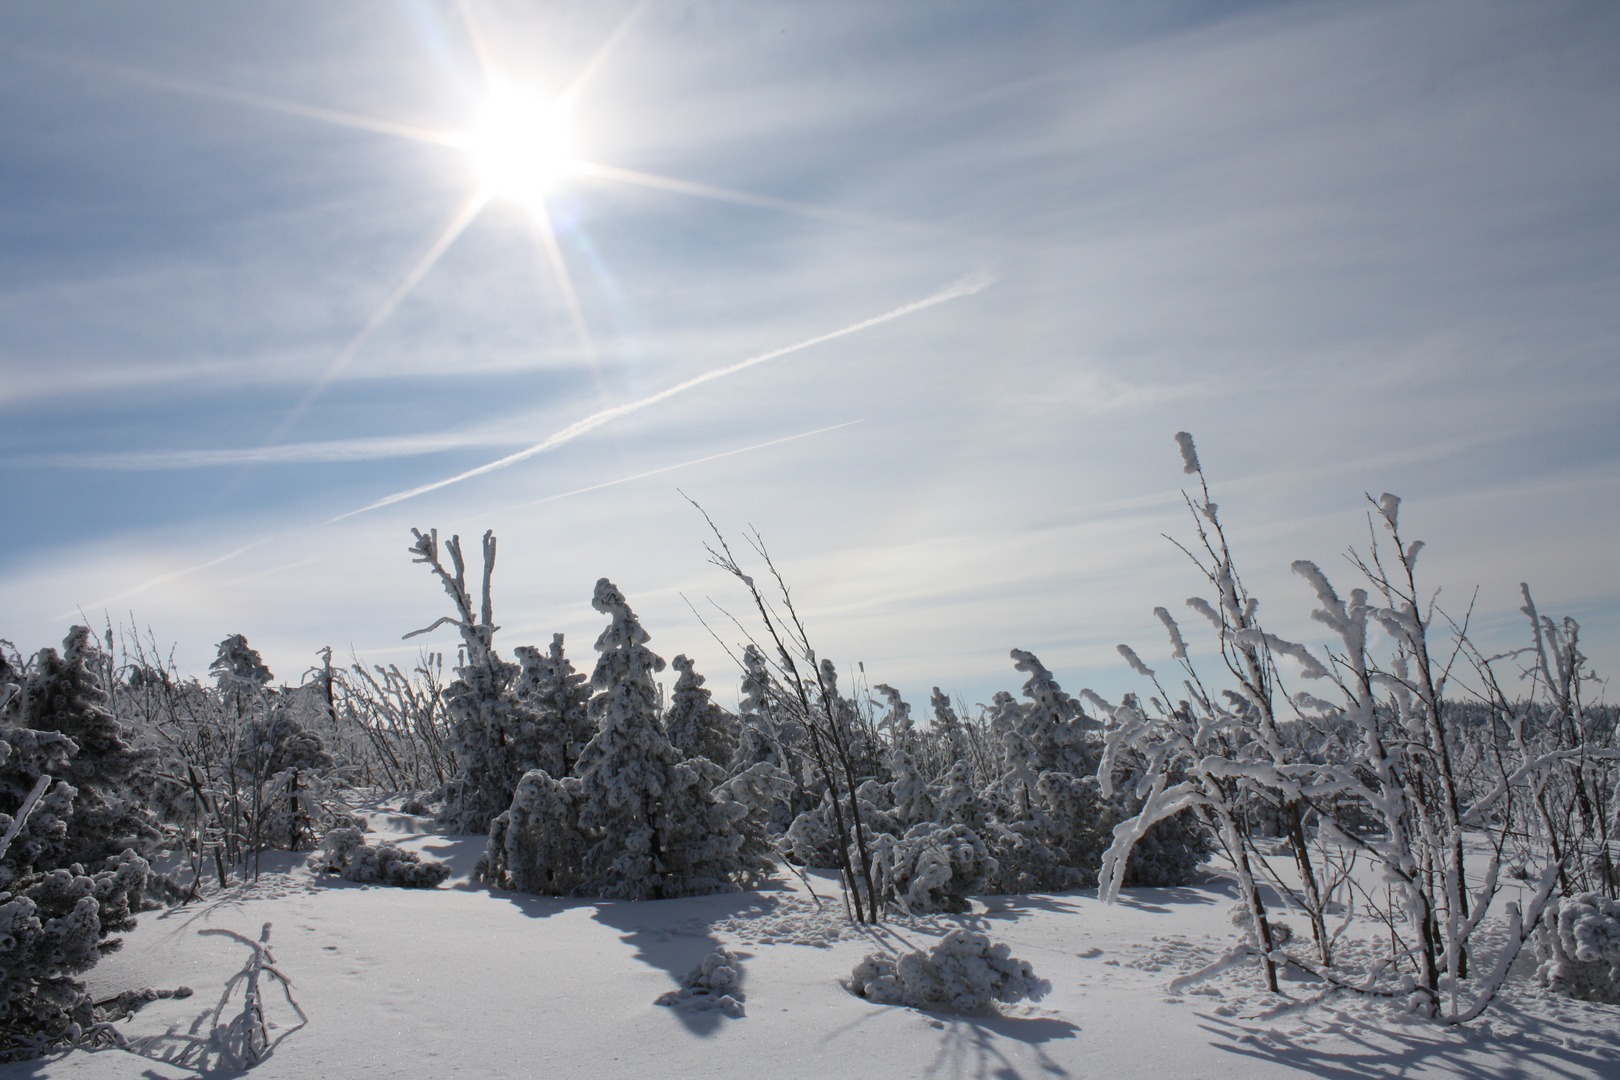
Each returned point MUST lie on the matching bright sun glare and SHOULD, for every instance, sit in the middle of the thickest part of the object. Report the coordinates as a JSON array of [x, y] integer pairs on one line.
[[521, 145]]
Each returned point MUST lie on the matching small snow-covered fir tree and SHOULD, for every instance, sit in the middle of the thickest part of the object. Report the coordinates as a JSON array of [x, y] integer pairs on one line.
[[60, 697], [655, 825], [239, 669], [694, 724], [560, 698], [536, 844], [55, 917], [635, 821]]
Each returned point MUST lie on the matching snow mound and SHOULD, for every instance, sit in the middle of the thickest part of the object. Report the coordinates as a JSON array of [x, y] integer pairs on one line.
[[345, 852], [963, 972], [716, 983]]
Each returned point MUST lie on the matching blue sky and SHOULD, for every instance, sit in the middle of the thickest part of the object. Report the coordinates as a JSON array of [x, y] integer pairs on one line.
[[1351, 247]]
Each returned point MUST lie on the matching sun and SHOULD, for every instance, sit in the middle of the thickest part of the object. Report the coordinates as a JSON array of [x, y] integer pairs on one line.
[[521, 145]]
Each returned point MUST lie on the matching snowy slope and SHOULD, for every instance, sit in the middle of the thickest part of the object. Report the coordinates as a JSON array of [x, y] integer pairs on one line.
[[462, 981]]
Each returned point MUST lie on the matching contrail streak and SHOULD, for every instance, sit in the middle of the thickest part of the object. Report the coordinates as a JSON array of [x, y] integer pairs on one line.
[[672, 468], [966, 287]]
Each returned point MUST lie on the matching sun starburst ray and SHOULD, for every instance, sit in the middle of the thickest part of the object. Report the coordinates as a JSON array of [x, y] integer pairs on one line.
[[577, 84], [458, 224], [480, 44], [546, 238], [261, 101]]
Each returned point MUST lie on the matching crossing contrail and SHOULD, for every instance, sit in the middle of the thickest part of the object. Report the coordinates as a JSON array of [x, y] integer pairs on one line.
[[965, 287]]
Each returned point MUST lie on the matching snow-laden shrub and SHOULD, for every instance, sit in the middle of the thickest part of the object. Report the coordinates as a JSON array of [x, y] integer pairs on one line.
[[962, 972], [1026, 860], [716, 983], [810, 840], [53, 927], [299, 805], [1578, 946], [935, 867], [345, 852]]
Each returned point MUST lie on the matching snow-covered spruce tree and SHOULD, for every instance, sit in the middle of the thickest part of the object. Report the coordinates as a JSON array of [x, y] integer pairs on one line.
[[560, 698], [908, 797], [770, 744], [694, 724], [240, 673], [1043, 825], [635, 822], [491, 727], [54, 917], [658, 829], [61, 694]]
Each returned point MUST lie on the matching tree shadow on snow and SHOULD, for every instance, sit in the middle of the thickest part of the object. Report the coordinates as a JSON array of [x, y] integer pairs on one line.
[[1011, 905], [1474, 1052], [968, 1045], [460, 853], [675, 935]]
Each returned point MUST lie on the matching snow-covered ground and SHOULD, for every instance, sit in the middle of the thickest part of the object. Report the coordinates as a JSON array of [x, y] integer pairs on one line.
[[462, 981]]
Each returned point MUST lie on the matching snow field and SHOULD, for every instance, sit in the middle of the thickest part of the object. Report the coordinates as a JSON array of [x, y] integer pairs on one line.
[[463, 981]]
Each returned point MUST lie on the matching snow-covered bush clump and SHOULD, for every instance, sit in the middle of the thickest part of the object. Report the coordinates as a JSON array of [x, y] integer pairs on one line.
[[345, 852], [935, 867], [294, 779], [1578, 946], [963, 972], [536, 846], [716, 983]]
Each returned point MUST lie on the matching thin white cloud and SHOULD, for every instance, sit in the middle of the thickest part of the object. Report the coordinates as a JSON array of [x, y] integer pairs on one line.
[[308, 453], [681, 465], [172, 575]]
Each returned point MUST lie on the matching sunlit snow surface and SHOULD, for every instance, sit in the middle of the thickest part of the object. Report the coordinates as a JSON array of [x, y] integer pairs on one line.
[[462, 981]]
